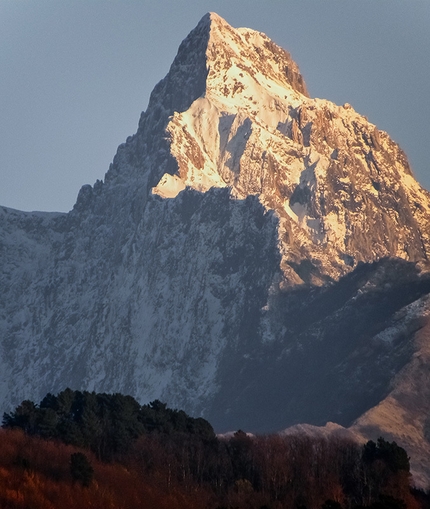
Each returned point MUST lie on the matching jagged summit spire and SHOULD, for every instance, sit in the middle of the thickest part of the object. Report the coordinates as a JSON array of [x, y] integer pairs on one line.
[[211, 18], [235, 69], [212, 53], [243, 43]]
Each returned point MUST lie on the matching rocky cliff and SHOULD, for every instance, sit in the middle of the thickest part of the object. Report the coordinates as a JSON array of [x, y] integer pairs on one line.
[[253, 255]]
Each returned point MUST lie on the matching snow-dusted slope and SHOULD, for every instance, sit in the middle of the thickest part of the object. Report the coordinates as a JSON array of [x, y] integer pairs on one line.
[[195, 272]]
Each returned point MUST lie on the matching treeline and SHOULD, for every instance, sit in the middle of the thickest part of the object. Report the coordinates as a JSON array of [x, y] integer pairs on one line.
[[80, 449], [107, 424]]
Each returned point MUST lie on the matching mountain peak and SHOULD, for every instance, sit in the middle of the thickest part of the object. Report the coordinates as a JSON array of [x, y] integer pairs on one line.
[[251, 127], [215, 56], [211, 19], [245, 51]]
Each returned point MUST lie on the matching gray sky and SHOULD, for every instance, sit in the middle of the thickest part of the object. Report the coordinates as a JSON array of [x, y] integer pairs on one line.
[[75, 75]]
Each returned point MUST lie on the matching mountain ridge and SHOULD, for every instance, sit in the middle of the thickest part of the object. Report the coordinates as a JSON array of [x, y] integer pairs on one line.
[[248, 244]]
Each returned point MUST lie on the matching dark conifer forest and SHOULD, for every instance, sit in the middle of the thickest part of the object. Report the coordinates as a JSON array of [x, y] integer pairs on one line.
[[80, 450]]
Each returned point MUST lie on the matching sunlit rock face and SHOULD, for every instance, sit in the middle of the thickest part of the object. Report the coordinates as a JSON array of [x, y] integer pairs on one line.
[[342, 190], [246, 258]]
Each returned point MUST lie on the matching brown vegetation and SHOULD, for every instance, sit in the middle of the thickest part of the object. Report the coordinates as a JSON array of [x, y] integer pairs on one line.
[[176, 462], [35, 473]]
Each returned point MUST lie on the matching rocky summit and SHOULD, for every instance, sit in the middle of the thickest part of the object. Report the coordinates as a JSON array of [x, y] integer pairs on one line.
[[253, 255]]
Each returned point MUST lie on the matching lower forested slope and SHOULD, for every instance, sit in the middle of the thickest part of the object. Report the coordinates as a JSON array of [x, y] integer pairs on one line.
[[51, 455]]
